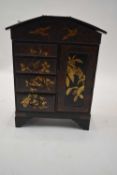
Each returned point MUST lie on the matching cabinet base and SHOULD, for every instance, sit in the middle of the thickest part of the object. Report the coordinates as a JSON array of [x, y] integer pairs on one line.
[[83, 120], [20, 121], [84, 124]]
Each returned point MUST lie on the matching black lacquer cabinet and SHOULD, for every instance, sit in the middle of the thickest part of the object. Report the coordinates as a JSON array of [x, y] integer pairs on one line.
[[54, 61]]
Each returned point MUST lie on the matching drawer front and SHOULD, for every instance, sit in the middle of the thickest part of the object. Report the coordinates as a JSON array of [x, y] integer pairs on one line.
[[38, 83], [39, 66], [35, 102], [35, 49]]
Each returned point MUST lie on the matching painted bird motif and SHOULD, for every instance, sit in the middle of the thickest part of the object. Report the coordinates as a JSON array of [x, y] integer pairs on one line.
[[43, 31], [70, 33]]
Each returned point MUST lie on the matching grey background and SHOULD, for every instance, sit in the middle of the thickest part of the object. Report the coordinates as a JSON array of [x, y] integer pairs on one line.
[[55, 147]]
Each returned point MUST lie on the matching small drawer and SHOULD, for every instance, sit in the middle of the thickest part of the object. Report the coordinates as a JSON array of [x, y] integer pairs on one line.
[[35, 49], [35, 102], [39, 66], [38, 83]]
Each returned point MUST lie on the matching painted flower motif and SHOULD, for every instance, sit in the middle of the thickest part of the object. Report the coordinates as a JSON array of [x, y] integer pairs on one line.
[[74, 71], [39, 82], [45, 67], [39, 67], [34, 100]]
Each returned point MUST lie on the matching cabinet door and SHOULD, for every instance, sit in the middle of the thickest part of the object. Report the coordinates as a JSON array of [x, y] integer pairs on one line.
[[77, 65]]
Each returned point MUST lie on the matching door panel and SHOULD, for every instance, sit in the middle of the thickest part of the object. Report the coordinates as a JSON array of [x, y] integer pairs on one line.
[[76, 77]]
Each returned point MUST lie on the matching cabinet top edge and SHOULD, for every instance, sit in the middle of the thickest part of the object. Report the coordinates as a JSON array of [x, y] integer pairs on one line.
[[58, 18]]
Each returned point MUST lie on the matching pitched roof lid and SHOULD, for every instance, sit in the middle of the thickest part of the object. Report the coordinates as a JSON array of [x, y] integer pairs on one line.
[[59, 17]]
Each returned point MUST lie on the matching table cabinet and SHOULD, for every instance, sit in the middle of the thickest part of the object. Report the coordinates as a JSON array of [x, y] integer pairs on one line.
[[54, 62]]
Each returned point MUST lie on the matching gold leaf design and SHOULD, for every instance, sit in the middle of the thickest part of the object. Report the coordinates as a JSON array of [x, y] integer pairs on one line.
[[34, 100], [39, 82], [45, 67], [24, 68], [73, 70], [39, 67], [75, 98], [70, 33], [70, 73], [81, 96], [43, 31], [67, 82], [68, 91], [25, 102]]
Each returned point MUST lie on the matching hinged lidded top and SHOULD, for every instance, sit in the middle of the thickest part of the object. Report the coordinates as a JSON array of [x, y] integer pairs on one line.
[[56, 29]]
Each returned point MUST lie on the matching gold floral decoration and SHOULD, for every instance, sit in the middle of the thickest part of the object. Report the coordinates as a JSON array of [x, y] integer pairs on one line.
[[43, 31], [24, 67], [35, 101], [38, 51], [74, 71], [45, 67], [39, 82], [39, 67], [70, 33]]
